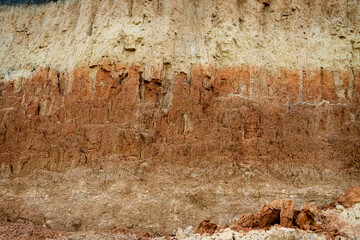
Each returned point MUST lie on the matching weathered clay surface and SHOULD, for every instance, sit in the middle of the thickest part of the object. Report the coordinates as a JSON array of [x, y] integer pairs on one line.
[[153, 115], [58, 121]]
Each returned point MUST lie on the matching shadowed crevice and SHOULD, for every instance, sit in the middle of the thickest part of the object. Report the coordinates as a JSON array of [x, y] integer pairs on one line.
[[25, 2]]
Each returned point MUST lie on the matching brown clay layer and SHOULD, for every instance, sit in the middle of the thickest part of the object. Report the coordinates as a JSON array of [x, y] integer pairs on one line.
[[60, 120]]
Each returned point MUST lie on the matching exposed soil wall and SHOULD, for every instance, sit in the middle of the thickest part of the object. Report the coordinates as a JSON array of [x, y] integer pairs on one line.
[[156, 114]]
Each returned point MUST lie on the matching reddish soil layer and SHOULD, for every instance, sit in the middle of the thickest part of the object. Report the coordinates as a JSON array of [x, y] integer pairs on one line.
[[274, 119]]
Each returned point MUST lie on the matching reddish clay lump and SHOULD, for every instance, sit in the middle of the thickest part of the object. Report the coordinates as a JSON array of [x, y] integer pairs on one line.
[[206, 227], [282, 213], [351, 197]]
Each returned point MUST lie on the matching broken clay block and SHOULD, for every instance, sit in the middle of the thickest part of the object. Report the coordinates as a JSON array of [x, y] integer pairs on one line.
[[206, 227]]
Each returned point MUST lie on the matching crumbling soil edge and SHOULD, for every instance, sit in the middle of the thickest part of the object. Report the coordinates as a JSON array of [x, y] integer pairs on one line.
[[282, 213]]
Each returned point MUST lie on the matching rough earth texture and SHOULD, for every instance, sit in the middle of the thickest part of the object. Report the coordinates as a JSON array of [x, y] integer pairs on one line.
[[280, 220], [153, 115]]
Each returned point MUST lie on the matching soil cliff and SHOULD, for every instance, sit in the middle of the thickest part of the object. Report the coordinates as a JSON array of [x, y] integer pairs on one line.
[[155, 114]]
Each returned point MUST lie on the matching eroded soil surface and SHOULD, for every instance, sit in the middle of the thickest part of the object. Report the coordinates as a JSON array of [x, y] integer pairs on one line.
[[276, 220]]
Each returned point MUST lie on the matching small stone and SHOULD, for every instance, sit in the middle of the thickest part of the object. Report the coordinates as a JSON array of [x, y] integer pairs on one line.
[[180, 234], [188, 230]]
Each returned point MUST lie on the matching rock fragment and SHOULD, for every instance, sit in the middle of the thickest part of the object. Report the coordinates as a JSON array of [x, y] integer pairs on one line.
[[306, 218], [206, 227], [277, 212], [351, 197]]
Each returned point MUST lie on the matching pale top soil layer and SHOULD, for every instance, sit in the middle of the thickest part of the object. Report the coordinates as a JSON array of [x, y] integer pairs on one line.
[[273, 34]]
